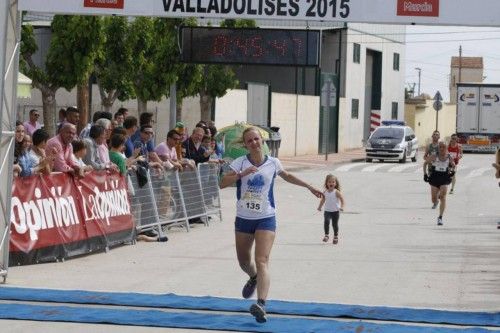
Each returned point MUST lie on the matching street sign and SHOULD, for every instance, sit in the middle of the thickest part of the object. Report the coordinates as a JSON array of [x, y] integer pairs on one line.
[[437, 96], [328, 94], [437, 105]]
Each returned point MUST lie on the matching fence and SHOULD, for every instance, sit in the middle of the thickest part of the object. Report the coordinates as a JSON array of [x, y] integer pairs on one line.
[[172, 198], [56, 217]]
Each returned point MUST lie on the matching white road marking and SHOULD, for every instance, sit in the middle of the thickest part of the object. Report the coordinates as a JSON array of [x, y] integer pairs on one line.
[[374, 167], [402, 167], [477, 172], [349, 166]]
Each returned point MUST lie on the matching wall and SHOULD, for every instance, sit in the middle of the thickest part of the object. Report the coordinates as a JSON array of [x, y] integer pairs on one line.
[[231, 108], [421, 116], [351, 130]]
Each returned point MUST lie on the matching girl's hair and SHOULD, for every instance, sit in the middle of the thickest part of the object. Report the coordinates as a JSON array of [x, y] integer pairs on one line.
[[241, 140], [332, 177]]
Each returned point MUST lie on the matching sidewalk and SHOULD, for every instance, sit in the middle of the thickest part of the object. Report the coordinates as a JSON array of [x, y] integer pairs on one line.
[[302, 162]]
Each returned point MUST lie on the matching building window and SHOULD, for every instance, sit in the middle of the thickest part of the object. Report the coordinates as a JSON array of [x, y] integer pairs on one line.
[[356, 55], [355, 108], [395, 62], [394, 113]]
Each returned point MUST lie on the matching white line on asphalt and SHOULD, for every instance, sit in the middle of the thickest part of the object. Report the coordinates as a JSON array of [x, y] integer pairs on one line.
[[400, 168], [374, 167], [302, 163], [477, 172], [349, 166]]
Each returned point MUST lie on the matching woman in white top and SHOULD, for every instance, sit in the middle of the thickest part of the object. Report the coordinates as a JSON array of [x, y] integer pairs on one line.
[[334, 203], [254, 175]]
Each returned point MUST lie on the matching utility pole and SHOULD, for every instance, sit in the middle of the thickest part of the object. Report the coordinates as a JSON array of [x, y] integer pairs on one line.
[[419, 75], [460, 64]]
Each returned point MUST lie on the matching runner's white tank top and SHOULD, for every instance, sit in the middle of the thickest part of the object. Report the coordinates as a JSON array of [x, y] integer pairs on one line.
[[332, 203], [441, 166]]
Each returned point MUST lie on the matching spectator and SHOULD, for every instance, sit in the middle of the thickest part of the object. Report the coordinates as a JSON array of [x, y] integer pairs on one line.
[[193, 149], [145, 119], [119, 117], [42, 160], [85, 131], [123, 111], [102, 149], [24, 160], [72, 117], [32, 124], [130, 125], [166, 152], [79, 152], [179, 127], [18, 146], [146, 134], [62, 117], [97, 136], [61, 145], [116, 152]]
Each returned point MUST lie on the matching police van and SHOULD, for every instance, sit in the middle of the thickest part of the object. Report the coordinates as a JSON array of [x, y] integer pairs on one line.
[[392, 141]]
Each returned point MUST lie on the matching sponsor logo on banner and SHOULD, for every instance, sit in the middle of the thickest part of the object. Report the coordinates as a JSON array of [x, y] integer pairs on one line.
[[418, 8], [104, 3]]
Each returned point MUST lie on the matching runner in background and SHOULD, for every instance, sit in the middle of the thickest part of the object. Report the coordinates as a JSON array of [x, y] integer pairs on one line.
[[430, 151], [455, 151]]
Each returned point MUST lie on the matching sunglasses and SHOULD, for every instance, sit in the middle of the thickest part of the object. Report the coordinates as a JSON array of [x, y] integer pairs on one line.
[[150, 133]]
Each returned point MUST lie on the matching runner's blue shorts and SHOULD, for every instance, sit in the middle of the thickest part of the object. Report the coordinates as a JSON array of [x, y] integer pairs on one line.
[[250, 226]]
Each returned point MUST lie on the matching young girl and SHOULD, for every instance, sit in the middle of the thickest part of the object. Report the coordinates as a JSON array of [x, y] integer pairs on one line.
[[334, 202]]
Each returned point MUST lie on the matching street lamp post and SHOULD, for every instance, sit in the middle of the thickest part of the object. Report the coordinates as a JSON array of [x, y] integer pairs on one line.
[[419, 75]]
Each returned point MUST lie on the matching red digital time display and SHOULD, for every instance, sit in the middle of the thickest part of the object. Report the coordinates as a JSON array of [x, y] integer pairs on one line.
[[250, 46]]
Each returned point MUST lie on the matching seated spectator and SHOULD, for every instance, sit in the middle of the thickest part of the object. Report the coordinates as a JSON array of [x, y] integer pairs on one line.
[[32, 124], [193, 149], [79, 152], [166, 151], [61, 145], [116, 153]]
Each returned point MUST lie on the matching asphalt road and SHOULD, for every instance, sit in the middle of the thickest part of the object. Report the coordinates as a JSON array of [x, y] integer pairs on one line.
[[391, 252]]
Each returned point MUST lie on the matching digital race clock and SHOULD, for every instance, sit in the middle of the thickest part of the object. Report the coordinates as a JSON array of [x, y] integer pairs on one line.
[[250, 46]]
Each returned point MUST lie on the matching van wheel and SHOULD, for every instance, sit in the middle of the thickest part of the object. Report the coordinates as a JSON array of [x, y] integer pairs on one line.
[[369, 160], [414, 158], [403, 160]]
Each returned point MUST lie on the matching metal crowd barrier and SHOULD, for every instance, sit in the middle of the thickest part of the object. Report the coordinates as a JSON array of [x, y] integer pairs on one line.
[[172, 198]]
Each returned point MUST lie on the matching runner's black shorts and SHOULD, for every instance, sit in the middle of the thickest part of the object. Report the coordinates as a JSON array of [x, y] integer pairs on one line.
[[438, 179]]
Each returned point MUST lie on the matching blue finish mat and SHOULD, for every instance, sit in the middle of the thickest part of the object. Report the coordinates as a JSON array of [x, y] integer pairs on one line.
[[172, 301], [238, 322]]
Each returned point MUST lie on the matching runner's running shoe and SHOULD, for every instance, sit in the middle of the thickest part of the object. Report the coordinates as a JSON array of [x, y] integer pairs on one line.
[[259, 312], [434, 206], [440, 221], [249, 287]]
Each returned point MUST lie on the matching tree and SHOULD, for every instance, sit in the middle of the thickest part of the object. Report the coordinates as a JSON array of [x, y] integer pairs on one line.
[[69, 60], [153, 42], [113, 67]]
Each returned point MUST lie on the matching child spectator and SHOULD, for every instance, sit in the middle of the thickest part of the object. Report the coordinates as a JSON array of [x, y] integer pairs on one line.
[[334, 202], [116, 152]]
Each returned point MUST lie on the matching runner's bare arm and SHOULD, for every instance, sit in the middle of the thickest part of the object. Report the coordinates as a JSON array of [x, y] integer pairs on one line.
[[296, 181]]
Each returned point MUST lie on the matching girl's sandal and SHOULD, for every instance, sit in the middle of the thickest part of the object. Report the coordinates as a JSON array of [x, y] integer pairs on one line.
[[325, 239], [335, 240]]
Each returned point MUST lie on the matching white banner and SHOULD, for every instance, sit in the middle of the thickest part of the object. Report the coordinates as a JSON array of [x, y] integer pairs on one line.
[[429, 12]]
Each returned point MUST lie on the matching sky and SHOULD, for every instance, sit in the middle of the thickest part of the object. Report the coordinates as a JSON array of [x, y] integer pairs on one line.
[[431, 49]]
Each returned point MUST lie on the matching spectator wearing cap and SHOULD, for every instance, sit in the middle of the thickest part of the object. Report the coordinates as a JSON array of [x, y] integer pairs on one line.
[[32, 124], [181, 129]]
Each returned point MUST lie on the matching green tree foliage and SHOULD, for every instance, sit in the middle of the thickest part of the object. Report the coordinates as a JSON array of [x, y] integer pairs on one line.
[[113, 66], [69, 62], [153, 42]]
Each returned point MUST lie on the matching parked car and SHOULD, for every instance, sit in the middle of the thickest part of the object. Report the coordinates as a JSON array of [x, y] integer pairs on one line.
[[392, 141]]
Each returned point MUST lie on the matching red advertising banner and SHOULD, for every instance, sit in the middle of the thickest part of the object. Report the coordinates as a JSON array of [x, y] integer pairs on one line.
[[103, 4], [418, 8], [61, 216]]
